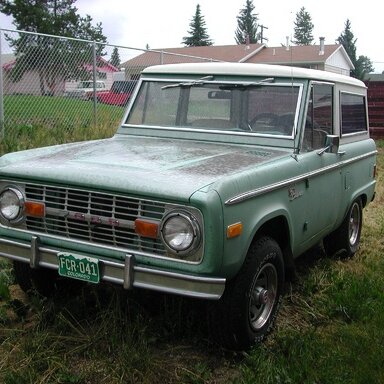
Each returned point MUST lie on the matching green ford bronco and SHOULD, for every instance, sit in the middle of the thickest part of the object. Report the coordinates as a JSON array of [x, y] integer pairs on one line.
[[218, 178]]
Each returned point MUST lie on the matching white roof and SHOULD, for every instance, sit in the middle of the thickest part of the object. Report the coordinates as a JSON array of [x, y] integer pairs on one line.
[[246, 69]]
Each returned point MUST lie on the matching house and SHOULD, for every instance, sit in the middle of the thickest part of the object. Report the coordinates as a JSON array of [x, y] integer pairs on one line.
[[31, 82], [230, 53], [332, 58], [375, 84], [104, 71]]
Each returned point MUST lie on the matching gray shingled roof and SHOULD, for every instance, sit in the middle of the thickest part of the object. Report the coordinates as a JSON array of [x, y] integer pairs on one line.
[[251, 53]]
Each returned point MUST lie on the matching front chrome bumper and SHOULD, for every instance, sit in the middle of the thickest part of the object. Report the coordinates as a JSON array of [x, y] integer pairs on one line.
[[124, 273]]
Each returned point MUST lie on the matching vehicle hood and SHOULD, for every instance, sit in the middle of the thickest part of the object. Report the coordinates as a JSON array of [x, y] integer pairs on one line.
[[140, 165]]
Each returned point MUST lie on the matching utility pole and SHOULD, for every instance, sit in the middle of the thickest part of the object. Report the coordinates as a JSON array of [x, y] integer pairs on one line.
[[262, 38]]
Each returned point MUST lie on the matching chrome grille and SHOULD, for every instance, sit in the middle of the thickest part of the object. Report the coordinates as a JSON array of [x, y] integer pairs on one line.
[[95, 217]]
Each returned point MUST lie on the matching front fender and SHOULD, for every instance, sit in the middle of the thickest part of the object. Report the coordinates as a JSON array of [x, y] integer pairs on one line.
[[254, 215]]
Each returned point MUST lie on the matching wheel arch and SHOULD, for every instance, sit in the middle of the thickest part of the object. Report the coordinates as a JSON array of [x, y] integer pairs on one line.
[[278, 229], [364, 199], [365, 193]]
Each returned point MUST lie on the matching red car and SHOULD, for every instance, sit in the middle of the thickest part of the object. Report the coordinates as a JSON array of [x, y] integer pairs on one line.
[[119, 93]]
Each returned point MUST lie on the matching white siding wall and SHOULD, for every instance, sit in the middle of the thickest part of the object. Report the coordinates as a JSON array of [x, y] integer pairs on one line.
[[337, 63]]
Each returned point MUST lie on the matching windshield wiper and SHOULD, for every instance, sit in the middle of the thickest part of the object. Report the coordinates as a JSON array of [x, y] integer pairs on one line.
[[194, 83], [247, 85]]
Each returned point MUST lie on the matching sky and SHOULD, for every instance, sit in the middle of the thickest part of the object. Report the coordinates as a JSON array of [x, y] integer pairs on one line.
[[164, 23]]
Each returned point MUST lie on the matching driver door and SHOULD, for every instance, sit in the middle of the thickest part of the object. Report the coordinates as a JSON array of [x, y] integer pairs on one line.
[[323, 186]]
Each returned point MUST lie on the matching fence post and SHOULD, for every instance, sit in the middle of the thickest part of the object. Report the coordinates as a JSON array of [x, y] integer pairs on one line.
[[1, 90], [94, 85]]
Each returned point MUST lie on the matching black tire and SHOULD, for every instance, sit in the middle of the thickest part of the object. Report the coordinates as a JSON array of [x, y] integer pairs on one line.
[[247, 310], [22, 273], [43, 281], [345, 240]]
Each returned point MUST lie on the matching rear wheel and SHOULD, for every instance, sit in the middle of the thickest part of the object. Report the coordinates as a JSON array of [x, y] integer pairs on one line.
[[345, 240], [247, 311]]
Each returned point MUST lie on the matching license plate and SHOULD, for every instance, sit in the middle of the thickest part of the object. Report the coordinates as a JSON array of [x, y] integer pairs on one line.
[[79, 267]]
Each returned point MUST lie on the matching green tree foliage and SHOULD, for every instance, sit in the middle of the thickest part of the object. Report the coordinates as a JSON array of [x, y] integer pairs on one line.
[[54, 59], [362, 64], [198, 35], [247, 26], [347, 39], [303, 28], [115, 58]]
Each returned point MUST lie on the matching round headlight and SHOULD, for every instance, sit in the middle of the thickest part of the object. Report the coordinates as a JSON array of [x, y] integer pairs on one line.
[[11, 204], [180, 232]]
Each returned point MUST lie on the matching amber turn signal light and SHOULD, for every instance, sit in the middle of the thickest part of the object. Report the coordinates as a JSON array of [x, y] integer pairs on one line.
[[146, 228], [234, 230], [35, 209]]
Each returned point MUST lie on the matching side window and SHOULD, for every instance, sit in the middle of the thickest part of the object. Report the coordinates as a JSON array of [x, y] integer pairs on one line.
[[319, 119], [353, 113]]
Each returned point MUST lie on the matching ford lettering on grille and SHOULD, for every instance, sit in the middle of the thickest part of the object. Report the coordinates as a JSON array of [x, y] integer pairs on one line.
[[94, 219]]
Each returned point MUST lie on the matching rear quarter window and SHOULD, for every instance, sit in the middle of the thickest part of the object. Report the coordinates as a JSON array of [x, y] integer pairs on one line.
[[353, 113]]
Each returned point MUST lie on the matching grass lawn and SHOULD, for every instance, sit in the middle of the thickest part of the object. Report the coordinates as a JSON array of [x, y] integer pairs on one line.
[[34, 121], [26, 109]]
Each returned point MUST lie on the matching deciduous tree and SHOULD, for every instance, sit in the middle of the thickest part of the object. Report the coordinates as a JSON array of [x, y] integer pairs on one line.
[[54, 59], [198, 35]]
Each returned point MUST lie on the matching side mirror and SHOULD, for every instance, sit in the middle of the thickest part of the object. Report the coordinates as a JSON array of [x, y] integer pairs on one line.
[[332, 143]]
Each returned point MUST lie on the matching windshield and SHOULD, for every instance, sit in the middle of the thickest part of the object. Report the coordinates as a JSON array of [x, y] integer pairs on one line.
[[265, 109]]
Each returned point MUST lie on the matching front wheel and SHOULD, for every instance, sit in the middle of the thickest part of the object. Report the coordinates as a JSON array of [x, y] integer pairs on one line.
[[247, 311], [40, 280], [345, 240]]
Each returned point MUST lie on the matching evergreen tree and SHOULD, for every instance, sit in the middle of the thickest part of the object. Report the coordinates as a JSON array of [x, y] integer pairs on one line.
[[115, 58], [198, 35], [247, 26], [303, 28], [347, 39], [54, 60], [362, 64]]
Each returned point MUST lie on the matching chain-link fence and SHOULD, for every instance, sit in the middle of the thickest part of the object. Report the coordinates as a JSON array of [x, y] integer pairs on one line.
[[54, 87]]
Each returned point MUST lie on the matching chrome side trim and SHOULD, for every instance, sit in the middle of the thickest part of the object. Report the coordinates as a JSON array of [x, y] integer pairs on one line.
[[273, 187], [123, 273]]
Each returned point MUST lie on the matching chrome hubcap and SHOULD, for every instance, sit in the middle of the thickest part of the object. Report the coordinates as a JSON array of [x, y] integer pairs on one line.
[[263, 296], [354, 224]]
